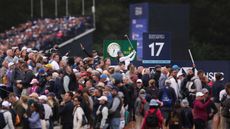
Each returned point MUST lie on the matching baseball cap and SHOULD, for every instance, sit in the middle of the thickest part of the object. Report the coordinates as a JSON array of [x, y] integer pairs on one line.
[[199, 94], [34, 81], [103, 98], [103, 76], [142, 91], [6, 104], [49, 66], [139, 80], [185, 102], [204, 91], [175, 67], [153, 102], [43, 97]]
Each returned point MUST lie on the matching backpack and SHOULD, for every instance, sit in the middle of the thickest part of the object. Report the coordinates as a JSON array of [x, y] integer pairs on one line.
[[99, 118], [191, 86], [174, 118], [226, 108], [84, 120], [2, 120], [142, 108], [15, 117], [167, 101], [152, 119]]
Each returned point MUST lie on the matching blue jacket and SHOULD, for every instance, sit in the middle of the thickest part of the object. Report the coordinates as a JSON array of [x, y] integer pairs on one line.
[[34, 121]]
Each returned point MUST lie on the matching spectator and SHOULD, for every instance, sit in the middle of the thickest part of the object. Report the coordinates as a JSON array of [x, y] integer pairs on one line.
[[78, 114], [7, 115], [66, 111], [102, 119], [114, 111], [47, 110], [140, 108], [153, 108], [200, 111], [186, 114], [34, 118]]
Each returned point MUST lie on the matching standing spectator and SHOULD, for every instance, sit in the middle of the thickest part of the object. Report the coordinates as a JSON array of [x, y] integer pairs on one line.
[[17, 107], [174, 83], [225, 111], [216, 88], [212, 109], [27, 78], [7, 115], [153, 118], [34, 88], [152, 92], [190, 85], [34, 118], [156, 74], [69, 80], [186, 114], [102, 114], [167, 96], [174, 119], [53, 102], [55, 62], [66, 111], [140, 108], [10, 56], [114, 111], [163, 77], [47, 110], [78, 114], [200, 111]]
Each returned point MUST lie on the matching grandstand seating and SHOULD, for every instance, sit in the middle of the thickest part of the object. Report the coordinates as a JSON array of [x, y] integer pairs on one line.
[[43, 34]]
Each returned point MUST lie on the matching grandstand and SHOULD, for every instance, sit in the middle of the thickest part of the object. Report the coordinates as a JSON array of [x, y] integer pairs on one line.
[[43, 34]]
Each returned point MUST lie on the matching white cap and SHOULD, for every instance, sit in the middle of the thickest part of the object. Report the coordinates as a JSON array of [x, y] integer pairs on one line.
[[199, 94], [29, 49], [10, 64], [103, 98], [6, 104], [99, 70], [24, 48], [43, 97], [139, 80]]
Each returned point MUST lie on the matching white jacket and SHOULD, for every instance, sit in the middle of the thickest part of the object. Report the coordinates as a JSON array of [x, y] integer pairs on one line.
[[8, 119], [174, 84], [77, 118]]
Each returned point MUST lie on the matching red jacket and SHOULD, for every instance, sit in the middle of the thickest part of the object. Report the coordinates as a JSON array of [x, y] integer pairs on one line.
[[200, 110], [159, 116]]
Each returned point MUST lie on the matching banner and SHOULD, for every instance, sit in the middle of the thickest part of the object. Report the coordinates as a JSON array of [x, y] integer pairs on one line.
[[157, 48], [112, 47], [139, 16]]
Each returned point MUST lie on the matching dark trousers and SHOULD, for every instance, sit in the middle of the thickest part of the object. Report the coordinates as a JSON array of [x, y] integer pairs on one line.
[[171, 126], [199, 124], [67, 126]]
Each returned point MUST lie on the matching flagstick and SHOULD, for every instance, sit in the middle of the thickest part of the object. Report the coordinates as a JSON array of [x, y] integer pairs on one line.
[[191, 56]]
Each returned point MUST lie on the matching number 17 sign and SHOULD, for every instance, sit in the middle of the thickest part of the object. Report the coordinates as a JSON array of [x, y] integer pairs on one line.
[[156, 48]]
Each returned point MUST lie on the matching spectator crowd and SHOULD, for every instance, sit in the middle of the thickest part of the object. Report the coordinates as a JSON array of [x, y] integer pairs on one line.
[[42, 34], [40, 91]]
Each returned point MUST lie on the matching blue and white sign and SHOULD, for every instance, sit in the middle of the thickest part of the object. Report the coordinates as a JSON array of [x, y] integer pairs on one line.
[[156, 48], [139, 16]]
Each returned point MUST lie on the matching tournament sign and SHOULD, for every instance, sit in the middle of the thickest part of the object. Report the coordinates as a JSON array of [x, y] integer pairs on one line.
[[156, 48], [112, 47]]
